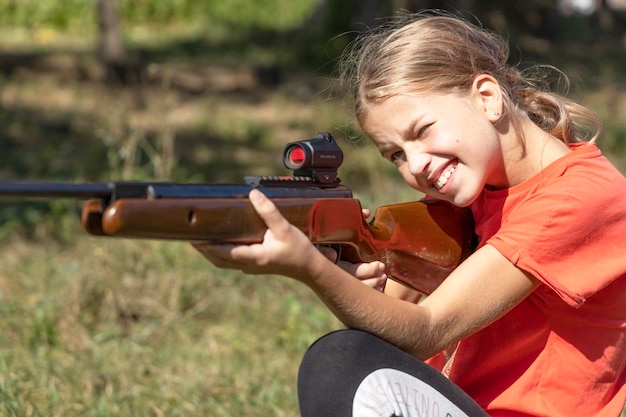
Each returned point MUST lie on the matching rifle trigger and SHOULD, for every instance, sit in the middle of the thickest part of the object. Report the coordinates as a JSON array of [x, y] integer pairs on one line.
[[337, 248]]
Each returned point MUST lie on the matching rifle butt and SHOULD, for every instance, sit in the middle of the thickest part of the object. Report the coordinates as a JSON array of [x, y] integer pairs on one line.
[[420, 242]]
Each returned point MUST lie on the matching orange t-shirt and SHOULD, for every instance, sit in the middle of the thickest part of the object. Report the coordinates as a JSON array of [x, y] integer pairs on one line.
[[562, 351]]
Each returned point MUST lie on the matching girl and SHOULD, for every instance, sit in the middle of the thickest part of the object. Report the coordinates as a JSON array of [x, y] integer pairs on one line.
[[533, 323]]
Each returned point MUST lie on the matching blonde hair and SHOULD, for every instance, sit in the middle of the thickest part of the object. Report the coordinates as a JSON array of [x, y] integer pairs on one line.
[[436, 52]]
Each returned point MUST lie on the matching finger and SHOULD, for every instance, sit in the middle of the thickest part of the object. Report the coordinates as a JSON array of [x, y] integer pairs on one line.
[[218, 255], [366, 213], [362, 271], [376, 283], [328, 252], [268, 212], [212, 250]]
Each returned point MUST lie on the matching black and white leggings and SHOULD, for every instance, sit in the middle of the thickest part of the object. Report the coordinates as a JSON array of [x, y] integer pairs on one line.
[[351, 373]]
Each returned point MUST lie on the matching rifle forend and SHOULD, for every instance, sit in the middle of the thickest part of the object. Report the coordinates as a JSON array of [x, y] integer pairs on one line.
[[420, 242]]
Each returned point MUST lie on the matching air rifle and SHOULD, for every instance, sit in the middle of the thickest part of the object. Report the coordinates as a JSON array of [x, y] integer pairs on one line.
[[420, 242]]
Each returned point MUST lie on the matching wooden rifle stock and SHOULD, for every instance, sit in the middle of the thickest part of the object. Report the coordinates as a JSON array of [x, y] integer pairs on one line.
[[420, 242]]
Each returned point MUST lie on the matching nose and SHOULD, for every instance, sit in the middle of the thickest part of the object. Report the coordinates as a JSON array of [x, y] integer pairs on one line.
[[417, 161]]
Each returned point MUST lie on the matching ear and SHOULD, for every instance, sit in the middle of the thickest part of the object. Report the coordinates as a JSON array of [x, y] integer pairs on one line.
[[487, 92]]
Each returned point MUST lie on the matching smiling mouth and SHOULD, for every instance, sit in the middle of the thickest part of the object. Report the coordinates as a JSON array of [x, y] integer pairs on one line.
[[444, 177]]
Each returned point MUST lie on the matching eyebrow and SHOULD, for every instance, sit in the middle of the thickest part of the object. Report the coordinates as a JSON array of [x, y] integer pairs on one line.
[[383, 150], [405, 134], [410, 129]]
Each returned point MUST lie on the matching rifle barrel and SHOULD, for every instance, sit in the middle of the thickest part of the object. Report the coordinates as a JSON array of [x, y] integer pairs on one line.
[[148, 190]]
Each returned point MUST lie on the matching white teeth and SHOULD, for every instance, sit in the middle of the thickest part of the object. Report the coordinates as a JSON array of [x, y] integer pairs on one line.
[[443, 179]]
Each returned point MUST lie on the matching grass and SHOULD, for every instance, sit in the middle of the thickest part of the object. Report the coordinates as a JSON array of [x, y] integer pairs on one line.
[[120, 327]]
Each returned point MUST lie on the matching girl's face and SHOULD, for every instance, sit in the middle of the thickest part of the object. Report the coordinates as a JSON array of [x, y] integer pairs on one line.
[[444, 145]]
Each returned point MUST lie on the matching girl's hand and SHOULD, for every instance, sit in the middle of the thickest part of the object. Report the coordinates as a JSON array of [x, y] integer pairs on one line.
[[371, 274], [285, 250]]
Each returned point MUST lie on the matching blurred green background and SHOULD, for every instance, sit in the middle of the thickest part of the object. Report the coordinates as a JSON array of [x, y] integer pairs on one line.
[[190, 90]]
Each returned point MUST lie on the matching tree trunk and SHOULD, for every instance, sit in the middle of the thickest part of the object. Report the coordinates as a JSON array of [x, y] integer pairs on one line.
[[111, 50]]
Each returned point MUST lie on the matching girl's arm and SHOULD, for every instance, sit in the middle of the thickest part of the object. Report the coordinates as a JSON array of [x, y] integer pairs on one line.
[[479, 291]]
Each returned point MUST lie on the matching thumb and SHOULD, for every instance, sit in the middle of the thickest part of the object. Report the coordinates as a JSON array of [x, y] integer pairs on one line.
[[268, 212]]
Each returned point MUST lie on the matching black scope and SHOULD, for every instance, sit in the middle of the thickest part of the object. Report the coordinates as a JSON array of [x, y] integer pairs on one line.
[[317, 158]]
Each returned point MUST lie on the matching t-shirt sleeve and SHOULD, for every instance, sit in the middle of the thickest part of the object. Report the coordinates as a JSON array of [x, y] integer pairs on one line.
[[572, 240]]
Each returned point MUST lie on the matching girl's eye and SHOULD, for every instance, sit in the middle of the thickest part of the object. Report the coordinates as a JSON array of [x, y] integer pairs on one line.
[[423, 130], [394, 157]]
